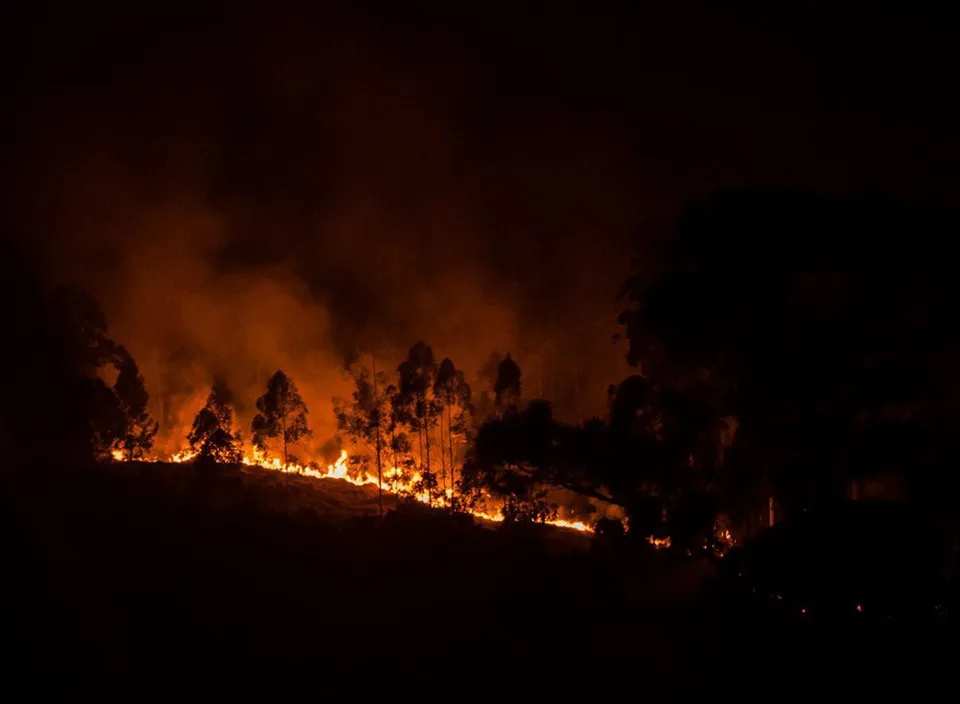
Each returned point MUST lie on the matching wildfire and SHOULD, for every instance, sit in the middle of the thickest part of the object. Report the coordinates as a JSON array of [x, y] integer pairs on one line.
[[183, 456], [340, 470], [393, 481]]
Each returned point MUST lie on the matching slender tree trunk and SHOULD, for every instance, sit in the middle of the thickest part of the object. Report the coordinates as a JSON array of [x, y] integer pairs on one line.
[[376, 400], [427, 436], [420, 442], [283, 431], [453, 479], [443, 464], [396, 490]]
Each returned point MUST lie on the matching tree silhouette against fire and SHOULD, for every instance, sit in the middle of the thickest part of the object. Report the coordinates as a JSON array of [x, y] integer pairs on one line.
[[283, 416], [787, 370], [213, 437]]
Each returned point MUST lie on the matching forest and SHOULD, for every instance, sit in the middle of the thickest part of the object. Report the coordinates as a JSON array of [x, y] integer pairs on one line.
[[786, 430], [502, 351], [773, 375]]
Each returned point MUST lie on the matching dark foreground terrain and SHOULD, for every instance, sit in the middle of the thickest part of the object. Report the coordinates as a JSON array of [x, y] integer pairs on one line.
[[144, 581]]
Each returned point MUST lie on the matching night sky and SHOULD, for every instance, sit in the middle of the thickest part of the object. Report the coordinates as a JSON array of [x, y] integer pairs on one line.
[[259, 186]]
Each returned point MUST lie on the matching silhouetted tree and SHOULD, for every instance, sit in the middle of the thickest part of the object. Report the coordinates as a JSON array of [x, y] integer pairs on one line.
[[81, 337], [821, 326], [663, 443], [138, 428], [515, 459], [415, 406], [649, 455], [283, 415], [507, 386], [83, 327], [213, 436], [364, 419], [400, 451], [453, 393], [104, 415], [64, 411]]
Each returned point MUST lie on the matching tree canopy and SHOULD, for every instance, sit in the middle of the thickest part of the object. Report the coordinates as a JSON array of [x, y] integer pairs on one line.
[[415, 405], [138, 428], [213, 436], [824, 327], [282, 414], [453, 393]]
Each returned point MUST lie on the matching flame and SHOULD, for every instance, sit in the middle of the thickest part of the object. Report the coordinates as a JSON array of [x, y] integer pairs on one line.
[[183, 456], [340, 470], [392, 481]]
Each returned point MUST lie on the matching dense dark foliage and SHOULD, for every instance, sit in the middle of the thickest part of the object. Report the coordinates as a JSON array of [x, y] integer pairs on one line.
[[61, 407], [137, 428], [790, 351], [415, 406], [827, 328], [282, 415], [213, 437]]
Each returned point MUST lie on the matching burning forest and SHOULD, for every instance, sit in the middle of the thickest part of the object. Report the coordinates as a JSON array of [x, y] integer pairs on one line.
[[440, 349], [432, 401]]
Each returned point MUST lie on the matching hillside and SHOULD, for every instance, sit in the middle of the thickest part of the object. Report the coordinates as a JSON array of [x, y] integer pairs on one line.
[[146, 572], [330, 499], [150, 579]]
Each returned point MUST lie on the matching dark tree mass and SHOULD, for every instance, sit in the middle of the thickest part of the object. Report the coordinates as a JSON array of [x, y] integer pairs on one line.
[[282, 416], [458, 348], [137, 429], [212, 436]]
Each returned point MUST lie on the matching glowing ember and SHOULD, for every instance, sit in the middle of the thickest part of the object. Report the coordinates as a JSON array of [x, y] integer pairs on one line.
[[575, 525], [183, 456], [393, 481], [340, 470]]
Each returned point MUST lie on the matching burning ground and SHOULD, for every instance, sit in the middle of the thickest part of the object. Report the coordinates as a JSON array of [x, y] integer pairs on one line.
[[335, 499], [142, 568], [150, 578]]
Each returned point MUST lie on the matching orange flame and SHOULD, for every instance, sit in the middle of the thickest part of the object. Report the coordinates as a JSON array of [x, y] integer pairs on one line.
[[392, 481], [340, 470]]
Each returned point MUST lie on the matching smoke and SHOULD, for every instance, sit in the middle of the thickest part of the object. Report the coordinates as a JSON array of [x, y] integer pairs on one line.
[[272, 197], [253, 190]]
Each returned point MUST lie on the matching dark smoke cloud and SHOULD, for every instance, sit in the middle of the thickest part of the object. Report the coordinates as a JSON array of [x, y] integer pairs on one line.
[[251, 190], [300, 199]]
